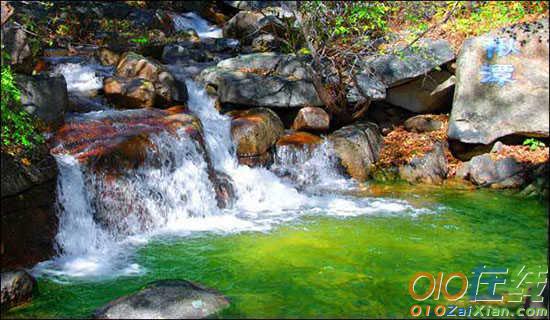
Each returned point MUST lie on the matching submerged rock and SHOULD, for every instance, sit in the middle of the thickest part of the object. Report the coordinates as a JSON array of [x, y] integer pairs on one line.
[[357, 147], [166, 299], [502, 85], [311, 118], [17, 288], [263, 80], [254, 132]]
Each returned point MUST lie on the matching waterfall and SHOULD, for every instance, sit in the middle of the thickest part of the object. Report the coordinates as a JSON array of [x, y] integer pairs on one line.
[[104, 215], [191, 20]]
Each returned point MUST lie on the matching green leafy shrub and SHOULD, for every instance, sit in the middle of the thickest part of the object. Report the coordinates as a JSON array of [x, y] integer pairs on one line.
[[533, 144], [18, 126]]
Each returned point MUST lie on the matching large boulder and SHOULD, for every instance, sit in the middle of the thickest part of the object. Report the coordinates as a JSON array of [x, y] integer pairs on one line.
[[142, 82], [242, 25], [392, 70], [29, 220], [262, 79], [45, 97], [255, 132], [111, 144], [502, 85], [488, 170], [311, 119], [357, 147], [17, 288], [166, 299]]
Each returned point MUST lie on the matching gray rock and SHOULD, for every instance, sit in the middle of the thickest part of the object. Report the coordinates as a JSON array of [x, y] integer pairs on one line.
[[255, 5], [44, 96], [29, 220], [266, 42], [243, 25], [14, 42], [166, 299], [357, 148], [17, 287], [484, 112], [423, 123], [430, 93], [206, 50], [486, 171], [429, 168], [391, 70], [262, 79]]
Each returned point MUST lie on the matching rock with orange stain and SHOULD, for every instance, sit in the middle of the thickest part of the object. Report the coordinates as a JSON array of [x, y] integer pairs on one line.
[[255, 131], [120, 140], [299, 139]]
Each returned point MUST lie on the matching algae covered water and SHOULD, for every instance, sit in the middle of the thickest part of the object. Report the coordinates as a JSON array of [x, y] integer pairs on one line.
[[328, 266]]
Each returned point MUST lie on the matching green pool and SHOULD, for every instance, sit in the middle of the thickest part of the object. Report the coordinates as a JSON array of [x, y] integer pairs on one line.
[[319, 266]]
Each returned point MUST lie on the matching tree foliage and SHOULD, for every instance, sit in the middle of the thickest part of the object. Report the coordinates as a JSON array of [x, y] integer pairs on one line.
[[18, 126]]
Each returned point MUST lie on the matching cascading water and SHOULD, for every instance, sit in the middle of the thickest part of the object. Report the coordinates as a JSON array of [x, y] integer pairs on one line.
[[191, 20], [104, 215]]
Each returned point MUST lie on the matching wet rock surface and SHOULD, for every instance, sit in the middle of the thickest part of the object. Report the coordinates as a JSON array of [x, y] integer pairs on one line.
[[166, 299], [357, 147], [17, 288]]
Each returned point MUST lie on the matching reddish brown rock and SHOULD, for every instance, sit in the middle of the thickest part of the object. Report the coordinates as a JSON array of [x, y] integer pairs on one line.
[[311, 119], [299, 140], [255, 131]]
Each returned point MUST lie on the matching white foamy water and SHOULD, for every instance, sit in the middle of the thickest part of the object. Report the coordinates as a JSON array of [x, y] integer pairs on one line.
[[82, 79], [191, 20], [103, 221]]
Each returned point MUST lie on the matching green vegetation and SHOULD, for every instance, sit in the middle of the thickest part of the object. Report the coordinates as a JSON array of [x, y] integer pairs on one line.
[[483, 16], [533, 143], [140, 40], [18, 127]]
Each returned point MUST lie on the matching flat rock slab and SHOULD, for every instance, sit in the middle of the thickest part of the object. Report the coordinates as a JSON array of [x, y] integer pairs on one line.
[[165, 299]]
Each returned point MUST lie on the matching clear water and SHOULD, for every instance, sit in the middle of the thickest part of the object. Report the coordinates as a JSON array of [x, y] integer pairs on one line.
[[308, 244], [191, 20], [326, 266]]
